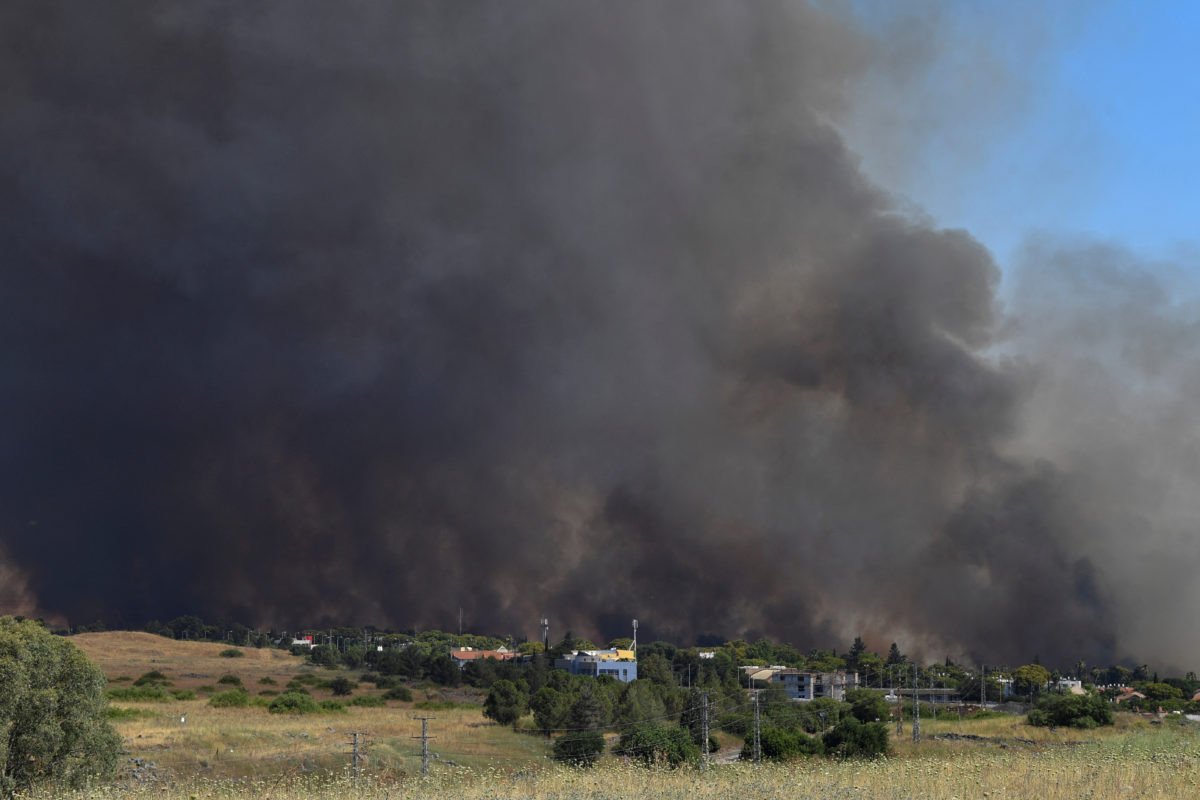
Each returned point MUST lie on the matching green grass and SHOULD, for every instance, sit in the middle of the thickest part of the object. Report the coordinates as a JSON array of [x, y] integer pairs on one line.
[[120, 714]]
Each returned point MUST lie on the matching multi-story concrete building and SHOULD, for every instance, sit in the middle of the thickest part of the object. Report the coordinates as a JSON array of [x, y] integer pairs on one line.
[[802, 685]]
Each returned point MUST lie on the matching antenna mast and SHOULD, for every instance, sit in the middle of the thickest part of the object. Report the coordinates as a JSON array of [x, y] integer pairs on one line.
[[635, 636]]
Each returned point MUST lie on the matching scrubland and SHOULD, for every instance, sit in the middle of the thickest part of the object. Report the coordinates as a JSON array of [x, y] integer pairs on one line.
[[191, 751]]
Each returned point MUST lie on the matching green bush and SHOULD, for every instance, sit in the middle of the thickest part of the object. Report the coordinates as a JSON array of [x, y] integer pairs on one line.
[[260, 702], [268, 693], [230, 680], [398, 693], [231, 652], [207, 688], [579, 748], [183, 694], [1071, 710], [782, 744], [853, 739], [650, 744], [333, 705], [367, 701], [138, 693], [294, 703], [121, 679], [233, 698], [150, 678], [341, 686], [268, 681]]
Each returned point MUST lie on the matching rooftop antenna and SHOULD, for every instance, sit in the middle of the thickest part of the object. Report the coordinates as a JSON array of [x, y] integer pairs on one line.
[[635, 636]]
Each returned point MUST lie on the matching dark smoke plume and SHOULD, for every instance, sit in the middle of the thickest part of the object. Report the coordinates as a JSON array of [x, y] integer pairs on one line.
[[368, 312]]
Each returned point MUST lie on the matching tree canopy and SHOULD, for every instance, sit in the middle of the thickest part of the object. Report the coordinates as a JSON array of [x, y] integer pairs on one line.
[[51, 711]]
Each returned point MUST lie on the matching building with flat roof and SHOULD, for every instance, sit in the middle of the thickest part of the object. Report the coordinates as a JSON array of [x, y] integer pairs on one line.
[[620, 664]]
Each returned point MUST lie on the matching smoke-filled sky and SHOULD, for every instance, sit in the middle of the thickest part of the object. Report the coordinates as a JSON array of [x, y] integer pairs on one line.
[[740, 319]]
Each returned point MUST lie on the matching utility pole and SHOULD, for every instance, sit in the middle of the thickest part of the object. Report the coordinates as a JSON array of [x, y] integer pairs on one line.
[[635, 636], [425, 737], [757, 731], [982, 686], [354, 758], [545, 635], [916, 707], [705, 718], [460, 620], [899, 703]]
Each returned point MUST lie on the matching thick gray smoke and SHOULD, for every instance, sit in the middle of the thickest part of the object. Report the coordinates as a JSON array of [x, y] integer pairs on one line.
[[373, 311]]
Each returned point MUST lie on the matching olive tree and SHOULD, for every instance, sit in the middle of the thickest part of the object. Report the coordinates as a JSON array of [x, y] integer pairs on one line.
[[52, 725]]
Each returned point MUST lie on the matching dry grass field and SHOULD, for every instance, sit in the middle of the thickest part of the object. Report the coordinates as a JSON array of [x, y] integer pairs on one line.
[[248, 752], [188, 665]]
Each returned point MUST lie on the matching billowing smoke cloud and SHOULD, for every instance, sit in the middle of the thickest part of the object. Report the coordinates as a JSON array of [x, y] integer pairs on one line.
[[377, 311]]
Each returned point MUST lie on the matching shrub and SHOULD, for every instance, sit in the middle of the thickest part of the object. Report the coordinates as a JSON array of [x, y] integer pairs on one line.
[[183, 694], [231, 652], [268, 681], [293, 703], [853, 739], [341, 686], [268, 693], [138, 693], [230, 680], [369, 677], [653, 744], [150, 678], [1071, 710], [51, 711], [207, 688], [398, 693], [121, 679], [333, 705], [367, 701], [260, 702], [233, 698], [579, 749], [783, 744]]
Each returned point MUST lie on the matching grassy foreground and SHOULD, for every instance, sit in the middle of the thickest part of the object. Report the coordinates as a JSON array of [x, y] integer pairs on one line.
[[236, 753], [1144, 763]]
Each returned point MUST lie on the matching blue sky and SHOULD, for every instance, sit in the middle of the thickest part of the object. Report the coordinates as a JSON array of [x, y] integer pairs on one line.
[[1078, 119]]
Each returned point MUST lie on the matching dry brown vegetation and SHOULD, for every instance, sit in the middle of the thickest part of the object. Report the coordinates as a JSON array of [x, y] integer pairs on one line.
[[186, 664]]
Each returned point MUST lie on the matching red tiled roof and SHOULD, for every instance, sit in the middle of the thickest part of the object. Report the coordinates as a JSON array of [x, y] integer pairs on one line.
[[475, 655]]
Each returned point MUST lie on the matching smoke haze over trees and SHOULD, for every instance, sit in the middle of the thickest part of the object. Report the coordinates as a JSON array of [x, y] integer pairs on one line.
[[584, 309]]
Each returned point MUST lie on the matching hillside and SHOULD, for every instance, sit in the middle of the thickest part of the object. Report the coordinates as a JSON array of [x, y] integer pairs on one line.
[[186, 664]]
